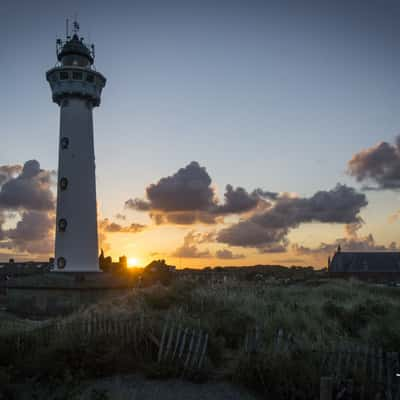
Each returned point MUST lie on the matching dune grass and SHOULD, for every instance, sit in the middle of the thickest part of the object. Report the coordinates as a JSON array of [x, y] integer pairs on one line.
[[315, 312]]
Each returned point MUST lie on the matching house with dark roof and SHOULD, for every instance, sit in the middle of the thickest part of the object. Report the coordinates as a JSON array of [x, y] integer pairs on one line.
[[381, 266]]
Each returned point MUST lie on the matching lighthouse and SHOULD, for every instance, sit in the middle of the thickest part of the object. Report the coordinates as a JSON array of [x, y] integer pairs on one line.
[[76, 88]]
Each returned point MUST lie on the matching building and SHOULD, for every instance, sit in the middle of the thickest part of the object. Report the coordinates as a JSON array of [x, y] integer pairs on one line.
[[76, 87], [15, 269], [381, 266]]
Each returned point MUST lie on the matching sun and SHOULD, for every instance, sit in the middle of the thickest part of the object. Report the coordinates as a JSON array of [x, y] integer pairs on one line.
[[132, 262]]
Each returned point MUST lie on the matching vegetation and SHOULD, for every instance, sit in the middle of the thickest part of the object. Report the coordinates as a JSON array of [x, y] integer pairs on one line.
[[315, 313]]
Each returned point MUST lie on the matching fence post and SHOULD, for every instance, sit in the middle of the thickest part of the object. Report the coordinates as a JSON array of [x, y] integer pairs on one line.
[[326, 388], [380, 371], [389, 373]]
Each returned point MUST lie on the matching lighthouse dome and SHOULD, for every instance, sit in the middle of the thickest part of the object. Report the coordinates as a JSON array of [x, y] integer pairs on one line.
[[74, 52]]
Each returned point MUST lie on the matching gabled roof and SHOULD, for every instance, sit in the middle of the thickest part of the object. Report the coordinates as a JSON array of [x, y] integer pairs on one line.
[[348, 261]]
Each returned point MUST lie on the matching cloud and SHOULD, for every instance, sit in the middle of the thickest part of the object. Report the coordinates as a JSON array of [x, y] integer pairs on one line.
[[26, 192], [267, 230], [30, 190], [366, 243], [206, 237], [394, 217], [280, 247], [8, 171], [2, 220], [112, 227], [189, 248], [187, 197], [249, 233], [351, 242], [226, 254], [379, 164], [105, 227], [238, 201], [187, 190], [138, 204], [122, 217], [34, 233]]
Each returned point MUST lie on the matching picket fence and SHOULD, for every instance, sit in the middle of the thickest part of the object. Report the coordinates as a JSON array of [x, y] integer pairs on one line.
[[341, 363], [183, 347], [186, 348]]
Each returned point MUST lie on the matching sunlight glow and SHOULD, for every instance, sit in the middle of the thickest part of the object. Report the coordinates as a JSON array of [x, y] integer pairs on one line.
[[132, 262]]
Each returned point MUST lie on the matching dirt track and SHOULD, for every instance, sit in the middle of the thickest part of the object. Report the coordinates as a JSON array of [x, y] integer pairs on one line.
[[138, 388]]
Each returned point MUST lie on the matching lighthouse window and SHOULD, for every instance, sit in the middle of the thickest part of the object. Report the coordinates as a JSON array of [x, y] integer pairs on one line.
[[63, 183], [78, 76], [61, 262], [62, 225], [63, 75], [90, 78], [64, 143]]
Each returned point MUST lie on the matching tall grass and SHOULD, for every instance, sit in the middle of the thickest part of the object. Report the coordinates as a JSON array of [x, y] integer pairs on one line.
[[316, 313]]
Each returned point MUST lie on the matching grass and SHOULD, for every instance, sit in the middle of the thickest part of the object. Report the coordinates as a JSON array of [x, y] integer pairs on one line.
[[316, 313]]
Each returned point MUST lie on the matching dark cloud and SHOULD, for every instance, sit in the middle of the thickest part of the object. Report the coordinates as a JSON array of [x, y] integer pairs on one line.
[[26, 193], [8, 171], [249, 233], [138, 204], [34, 233], [238, 201], [379, 164], [189, 248], [187, 197], [106, 225], [30, 190], [187, 190], [226, 254], [268, 230]]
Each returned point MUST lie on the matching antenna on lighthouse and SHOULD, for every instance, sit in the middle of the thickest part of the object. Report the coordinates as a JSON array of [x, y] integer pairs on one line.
[[75, 24], [67, 28]]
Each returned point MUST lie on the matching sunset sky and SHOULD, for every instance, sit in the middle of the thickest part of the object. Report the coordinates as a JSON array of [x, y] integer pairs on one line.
[[230, 132]]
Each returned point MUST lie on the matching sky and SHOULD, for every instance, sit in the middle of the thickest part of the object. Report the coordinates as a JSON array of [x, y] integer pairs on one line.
[[282, 100]]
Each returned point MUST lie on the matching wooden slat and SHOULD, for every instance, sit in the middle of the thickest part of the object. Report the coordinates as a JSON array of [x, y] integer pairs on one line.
[[177, 341], [169, 342], [203, 352], [189, 353], [182, 348], [196, 354], [160, 350]]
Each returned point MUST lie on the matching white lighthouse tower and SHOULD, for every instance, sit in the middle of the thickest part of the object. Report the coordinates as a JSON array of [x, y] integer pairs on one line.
[[76, 87]]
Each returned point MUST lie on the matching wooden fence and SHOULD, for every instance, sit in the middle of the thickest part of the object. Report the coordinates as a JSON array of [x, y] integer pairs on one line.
[[183, 347], [126, 332], [343, 365]]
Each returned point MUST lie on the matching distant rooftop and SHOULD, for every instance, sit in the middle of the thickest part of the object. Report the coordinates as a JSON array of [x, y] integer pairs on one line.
[[356, 261]]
